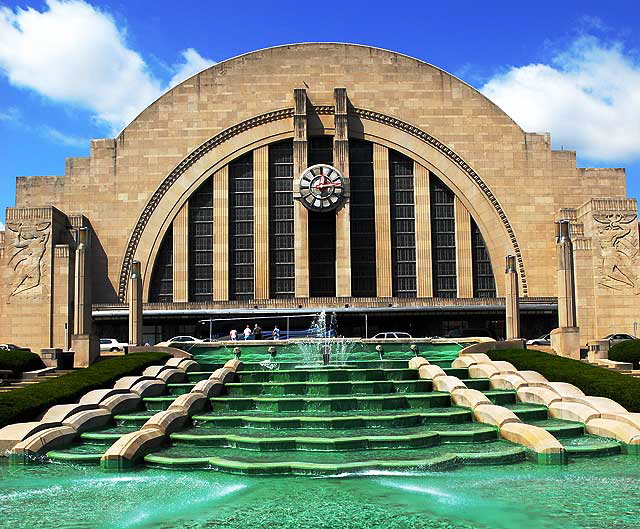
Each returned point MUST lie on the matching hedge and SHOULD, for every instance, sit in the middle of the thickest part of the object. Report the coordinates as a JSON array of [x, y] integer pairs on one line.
[[26, 404], [592, 380], [627, 351], [19, 361]]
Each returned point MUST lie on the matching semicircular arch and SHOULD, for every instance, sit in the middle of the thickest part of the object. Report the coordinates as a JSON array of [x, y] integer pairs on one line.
[[444, 162]]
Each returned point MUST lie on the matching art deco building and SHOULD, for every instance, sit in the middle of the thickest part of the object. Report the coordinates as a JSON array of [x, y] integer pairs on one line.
[[314, 176]]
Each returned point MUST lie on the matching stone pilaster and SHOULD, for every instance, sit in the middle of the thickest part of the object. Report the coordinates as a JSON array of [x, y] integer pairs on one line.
[[261, 221], [63, 295], [424, 268], [343, 216], [566, 283], [565, 340], [301, 215], [512, 300], [221, 234], [135, 305], [84, 343], [464, 260], [82, 305], [384, 287], [181, 255]]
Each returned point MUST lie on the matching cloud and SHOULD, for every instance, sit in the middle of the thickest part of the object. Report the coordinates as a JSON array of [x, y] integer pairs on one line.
[[74, 53], [588, 99], [11, 114], [193, 63], [62, 138]]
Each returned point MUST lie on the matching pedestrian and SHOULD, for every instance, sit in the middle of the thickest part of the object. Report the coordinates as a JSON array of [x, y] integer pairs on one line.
[[275, 334], [247, 332], [233, 334], [257, 332]]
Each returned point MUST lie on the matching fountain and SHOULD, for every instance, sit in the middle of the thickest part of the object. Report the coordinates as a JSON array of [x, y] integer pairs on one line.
[[322, 348]]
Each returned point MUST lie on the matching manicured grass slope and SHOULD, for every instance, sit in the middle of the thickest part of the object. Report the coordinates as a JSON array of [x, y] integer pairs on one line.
[[627, 351], [20, 361], [593, 381], [25, 404]]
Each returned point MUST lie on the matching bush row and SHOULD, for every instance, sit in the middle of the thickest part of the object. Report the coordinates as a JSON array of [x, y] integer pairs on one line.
[[26, 404], [592, 380], [627, 351], [19, 361]]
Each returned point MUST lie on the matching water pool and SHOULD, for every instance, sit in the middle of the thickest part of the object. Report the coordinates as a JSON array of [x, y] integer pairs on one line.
[[587, 494]]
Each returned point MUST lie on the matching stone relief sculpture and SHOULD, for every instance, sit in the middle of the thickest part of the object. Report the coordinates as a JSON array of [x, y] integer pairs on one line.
[[26, 250], [620, 257]]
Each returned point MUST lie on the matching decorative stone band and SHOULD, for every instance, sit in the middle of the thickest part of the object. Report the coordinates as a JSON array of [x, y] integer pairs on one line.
[[542, 445], [288, 113], [62, 424], [601, 416], [130, 449]]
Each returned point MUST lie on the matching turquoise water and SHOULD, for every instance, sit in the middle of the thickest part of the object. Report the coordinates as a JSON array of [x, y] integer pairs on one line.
[[586, 494]]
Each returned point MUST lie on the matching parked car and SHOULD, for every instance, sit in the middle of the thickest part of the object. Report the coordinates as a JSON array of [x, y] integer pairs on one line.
[[384, 335], [112, 345], [545, 339], [617, 338], [12, 347], [182, 339]]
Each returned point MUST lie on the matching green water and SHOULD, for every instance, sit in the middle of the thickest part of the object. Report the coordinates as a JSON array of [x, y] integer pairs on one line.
[[336, 432], [586, 494]]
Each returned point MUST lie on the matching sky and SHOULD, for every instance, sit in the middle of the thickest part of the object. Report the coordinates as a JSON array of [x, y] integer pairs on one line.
[[72, 70]]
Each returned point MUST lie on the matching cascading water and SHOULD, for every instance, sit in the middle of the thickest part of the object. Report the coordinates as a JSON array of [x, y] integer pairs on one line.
[[322, 347]]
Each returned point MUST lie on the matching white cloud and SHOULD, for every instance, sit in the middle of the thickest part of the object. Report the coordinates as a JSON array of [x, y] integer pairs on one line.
[[1, 226], [62, 138], [588, 99], [75, 53], [193, 63]]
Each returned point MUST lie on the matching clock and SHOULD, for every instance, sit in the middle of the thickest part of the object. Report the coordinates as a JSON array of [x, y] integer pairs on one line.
[[322, 188]]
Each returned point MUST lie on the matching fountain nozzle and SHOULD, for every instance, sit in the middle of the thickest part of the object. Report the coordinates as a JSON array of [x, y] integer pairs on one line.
[[237, 352]]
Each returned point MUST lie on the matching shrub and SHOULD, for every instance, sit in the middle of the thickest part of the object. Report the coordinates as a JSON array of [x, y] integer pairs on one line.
[[627, 351], [592, 380], [19, 361], [25, 404]]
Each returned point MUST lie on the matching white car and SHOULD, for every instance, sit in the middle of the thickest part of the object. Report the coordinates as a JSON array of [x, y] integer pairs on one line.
[[618, 337], [384, 335], [111, 345], [543, 340], [181, 339]]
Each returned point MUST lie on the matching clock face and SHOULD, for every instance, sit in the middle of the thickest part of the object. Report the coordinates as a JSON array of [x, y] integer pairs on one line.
[[322, 188]]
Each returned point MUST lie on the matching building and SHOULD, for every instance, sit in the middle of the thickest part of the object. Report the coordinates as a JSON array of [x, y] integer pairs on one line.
[[422, 187]]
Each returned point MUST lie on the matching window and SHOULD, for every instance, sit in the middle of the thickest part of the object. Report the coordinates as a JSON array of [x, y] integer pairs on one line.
[[443, 240], [241, 278], [161, 287], [403, 226], [281, 237], [321, 230], [201, 243], [484, 285], [363, 227]]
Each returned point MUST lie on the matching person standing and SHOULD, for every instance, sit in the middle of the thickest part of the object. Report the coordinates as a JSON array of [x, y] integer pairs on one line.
[[233, 334], [257, 332], [275, 334], [247, 332]]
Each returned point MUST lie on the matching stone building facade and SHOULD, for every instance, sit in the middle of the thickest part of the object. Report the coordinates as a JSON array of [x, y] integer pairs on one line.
[[203, 188]]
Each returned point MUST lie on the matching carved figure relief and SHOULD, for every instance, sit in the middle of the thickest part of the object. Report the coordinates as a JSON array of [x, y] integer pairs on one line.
[[620, 255], [26, 252]]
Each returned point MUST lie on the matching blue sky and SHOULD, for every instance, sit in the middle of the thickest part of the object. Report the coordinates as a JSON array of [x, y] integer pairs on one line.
[[75, 70]]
